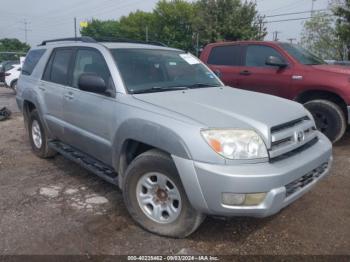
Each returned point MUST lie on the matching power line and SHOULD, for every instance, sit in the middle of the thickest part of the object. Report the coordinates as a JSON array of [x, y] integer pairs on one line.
[[293, 19], [297, 13]]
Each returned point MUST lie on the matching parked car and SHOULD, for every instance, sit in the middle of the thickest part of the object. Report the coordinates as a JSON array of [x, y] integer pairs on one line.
[[12, 75], [159, 124], [288, 71], [5, 66]]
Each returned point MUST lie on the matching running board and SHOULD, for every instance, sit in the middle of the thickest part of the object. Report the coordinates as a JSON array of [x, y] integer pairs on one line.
[[93, 165]]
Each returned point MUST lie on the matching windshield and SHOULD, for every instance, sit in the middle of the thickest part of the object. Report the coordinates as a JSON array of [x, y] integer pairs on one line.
[[302, 55], [150, 70]]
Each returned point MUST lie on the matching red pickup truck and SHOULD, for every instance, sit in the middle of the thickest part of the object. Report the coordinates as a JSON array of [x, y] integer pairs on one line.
[[288, 71]]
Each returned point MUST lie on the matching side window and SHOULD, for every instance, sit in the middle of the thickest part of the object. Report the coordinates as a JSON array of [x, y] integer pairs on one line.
[[256, 55], [225, 55], [31, 60], [57, 68], [90, 61]]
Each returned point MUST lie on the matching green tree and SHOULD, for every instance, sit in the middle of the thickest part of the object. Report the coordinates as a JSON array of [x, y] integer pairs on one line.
[[12, 45], [100, 29], [320, 36], [341, 8], [174, 23], [229, 20]]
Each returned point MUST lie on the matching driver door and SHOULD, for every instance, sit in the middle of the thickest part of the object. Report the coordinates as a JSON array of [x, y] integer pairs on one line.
[[90, 117], [256, 76]]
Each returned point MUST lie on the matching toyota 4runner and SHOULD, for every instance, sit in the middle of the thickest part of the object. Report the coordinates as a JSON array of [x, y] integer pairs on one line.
[[159, 124]]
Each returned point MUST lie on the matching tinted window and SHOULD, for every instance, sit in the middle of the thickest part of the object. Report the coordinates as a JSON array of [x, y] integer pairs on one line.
[[59, 68], [149, 70], [225, 55], [90, 61], [302, 55], [31, 60], [257, 55]]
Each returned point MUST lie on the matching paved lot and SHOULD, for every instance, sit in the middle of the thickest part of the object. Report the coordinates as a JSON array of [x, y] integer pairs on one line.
[[56, 207]]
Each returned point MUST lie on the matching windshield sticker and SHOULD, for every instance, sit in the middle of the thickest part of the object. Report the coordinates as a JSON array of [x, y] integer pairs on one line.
[[189, 59], [210, 75]]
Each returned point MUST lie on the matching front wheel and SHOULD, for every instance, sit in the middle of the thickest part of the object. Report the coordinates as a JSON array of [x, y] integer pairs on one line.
[[329, 118], [155, 198]]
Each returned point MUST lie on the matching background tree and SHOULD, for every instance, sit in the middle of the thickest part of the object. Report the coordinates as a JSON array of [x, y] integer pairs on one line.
[[12, 45], [341, 8], [320, 36], [229, 20], [180, 24]]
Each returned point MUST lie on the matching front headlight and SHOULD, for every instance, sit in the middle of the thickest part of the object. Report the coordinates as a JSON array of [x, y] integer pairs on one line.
[[235, 143]]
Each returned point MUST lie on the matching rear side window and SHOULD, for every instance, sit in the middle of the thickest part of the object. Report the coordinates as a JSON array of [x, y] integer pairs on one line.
[[31, 60], [226, 55], [57, 69], [257, 54]]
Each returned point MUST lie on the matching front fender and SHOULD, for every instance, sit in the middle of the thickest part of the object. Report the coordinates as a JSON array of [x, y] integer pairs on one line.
[[150, 133]]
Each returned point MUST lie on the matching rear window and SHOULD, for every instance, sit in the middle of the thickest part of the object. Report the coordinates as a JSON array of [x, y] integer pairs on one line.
[[229, 55], [31, 60], [57, 68]]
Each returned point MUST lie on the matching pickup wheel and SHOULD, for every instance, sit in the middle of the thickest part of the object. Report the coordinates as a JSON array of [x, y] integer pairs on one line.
[[329, 118], [155, 198], [38, 137]]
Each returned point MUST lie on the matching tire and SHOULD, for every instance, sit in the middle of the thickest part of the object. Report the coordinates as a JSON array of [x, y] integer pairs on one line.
[[35, 130], [329, 118], [14, 86], [156, 163]]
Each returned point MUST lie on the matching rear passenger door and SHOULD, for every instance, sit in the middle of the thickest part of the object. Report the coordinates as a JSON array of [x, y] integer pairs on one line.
[[52, 87], [259, 77], [226, 62], [90, 117]]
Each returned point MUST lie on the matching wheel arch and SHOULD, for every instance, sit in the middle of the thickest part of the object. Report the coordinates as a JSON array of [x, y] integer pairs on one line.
[[137, 136], [314, 94]]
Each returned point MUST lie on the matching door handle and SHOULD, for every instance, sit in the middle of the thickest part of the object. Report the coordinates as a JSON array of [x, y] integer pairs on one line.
[[69, 95], [245, 73], [42, 87]]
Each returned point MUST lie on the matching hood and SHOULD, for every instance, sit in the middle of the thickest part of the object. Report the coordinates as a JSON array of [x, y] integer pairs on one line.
[[228, 107], [333, 69]]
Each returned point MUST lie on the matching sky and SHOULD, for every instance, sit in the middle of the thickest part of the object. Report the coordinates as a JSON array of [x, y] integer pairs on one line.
[[48, 19]]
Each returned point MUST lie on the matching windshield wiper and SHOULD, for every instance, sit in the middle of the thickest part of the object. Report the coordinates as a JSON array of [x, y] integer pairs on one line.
[[159, 89], [201, 85]]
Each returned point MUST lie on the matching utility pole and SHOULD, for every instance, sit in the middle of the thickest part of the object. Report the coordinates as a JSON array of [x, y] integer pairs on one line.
[[312, 7], [197, 44], [25, 29], [75, 27], [291, 40], [147, 33], [275, 35]]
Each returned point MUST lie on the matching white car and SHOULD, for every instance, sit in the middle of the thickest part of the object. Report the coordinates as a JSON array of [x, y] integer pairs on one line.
[[12, 75]]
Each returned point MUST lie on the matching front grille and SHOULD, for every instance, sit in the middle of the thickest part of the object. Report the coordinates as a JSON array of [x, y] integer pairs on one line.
[[306, 179], [291, 136]]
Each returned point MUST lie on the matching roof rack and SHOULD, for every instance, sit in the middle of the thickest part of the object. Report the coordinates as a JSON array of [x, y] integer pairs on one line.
[[87, 39], [126, 40]]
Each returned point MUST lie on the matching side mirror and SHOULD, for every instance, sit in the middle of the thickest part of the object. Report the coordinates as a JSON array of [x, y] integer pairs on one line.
[[92, 83], [217, 73], [275, 61]]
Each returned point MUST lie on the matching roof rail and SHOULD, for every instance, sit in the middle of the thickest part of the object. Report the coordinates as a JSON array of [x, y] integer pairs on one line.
[[85, 39], [126, 40], [88, 39]]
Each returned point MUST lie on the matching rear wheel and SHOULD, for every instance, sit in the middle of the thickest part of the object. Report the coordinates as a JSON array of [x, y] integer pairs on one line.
[[38, 136], [14, 86], [329, 118], [155, 198]]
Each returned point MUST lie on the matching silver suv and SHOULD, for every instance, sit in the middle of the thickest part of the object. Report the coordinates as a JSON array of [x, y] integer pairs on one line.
[[159, 124]]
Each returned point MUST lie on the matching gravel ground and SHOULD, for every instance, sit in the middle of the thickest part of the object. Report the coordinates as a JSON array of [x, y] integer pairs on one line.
[[56, 207]]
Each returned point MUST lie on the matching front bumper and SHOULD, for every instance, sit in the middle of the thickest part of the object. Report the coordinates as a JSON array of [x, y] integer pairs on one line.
[[204, 183]]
